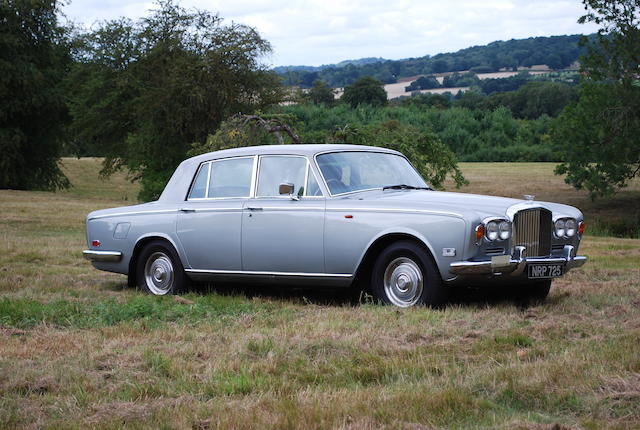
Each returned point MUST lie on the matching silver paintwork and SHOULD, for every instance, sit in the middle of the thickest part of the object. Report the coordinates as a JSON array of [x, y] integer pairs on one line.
[[321, 239]]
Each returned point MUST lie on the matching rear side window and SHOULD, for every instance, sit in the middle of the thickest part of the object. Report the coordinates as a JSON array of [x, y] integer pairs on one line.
[[223, 178], [230, 178]]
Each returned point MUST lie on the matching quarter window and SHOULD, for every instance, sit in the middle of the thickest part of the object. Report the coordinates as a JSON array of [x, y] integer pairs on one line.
[[276, 170], [199, 189], [313, 189]]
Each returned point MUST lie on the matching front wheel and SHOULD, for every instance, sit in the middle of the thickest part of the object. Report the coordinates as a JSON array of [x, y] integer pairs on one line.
[[536, 292], [159, 270], [405, 275]]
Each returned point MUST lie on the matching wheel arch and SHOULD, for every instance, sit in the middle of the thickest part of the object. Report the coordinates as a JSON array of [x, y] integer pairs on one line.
[[363, 272], [140, 244]]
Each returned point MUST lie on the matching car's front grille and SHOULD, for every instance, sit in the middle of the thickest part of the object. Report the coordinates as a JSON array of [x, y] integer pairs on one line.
[[532, 229]]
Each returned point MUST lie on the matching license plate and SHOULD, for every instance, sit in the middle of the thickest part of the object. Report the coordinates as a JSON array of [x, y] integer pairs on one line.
[[541, 271]]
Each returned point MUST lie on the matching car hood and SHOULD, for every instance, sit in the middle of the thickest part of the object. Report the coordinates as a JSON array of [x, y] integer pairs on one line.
[[462, 204]]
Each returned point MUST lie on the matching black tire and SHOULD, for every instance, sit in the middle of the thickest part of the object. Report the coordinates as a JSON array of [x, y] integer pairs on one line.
[[397, 272], [536, 292], [159, 270]]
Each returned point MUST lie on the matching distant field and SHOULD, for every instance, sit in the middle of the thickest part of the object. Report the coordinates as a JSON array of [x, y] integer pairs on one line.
[[619, 215], [78, 349]]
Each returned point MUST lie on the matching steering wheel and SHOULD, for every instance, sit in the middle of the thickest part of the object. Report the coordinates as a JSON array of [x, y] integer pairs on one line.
[[340, 187]]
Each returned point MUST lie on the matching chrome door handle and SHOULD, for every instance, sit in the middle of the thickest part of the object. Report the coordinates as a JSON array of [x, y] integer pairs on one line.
[[187, 210], [249, 208]]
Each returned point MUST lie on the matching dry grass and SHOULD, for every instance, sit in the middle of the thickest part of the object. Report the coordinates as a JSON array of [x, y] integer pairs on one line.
[[78, 349]]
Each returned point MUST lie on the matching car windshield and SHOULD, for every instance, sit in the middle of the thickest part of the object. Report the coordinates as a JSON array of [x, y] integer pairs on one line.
[[345, 172]]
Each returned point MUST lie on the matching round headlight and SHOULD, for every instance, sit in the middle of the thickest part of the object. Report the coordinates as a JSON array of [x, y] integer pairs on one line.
[[492, 230], [560, 226], [570, 227], [505, 230]]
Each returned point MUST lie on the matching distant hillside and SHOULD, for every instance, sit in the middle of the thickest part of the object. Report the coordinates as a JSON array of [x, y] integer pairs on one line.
[[557, 52], [359, 62]]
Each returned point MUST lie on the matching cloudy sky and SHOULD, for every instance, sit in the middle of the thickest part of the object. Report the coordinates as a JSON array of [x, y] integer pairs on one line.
[[314, 32]]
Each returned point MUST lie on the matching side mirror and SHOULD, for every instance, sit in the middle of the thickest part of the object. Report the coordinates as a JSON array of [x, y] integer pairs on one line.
[[286, 189]]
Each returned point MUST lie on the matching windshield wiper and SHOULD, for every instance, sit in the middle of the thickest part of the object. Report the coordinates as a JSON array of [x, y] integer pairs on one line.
[[405, 187]]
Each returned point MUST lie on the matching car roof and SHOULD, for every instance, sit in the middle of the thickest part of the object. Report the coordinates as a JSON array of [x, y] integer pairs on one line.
[[180, 181], [294, 149]]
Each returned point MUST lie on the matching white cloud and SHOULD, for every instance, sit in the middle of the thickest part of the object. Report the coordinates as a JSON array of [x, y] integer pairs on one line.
[[317, 32]]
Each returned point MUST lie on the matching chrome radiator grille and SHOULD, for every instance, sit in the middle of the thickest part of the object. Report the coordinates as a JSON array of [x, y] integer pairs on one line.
[[532, 229]]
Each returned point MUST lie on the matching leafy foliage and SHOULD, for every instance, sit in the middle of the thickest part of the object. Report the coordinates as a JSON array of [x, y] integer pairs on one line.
[[33, 60], [321, 93], [143, 91], [598, 134], [365, 91], [557, 52], [472, 134], [423, 83], [433, 159]]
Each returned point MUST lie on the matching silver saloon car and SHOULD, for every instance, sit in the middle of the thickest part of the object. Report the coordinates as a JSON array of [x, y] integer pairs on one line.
[[332, 215]]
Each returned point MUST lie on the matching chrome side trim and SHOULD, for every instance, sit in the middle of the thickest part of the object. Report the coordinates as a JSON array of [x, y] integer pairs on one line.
[[257, 273], [102, 256], [163, 211], [394, 210]]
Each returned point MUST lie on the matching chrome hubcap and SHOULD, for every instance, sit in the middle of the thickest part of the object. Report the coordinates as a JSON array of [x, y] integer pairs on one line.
[[403, 282], [158, 273]]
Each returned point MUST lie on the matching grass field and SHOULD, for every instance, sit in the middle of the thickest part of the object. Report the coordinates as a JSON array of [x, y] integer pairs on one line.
[[79, 349]]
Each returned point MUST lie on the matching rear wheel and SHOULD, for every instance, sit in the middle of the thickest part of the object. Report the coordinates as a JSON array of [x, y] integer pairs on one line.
[[405, 275], [159, 270]]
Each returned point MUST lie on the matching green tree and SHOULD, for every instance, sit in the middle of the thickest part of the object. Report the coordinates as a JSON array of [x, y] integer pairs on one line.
[[33, 61], [598, 135], [433, 159], [367, 91], [320, 93], [145, 90]]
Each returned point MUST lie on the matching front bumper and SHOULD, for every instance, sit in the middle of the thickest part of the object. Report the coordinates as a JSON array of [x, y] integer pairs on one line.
[[516, 264], [102, 256]]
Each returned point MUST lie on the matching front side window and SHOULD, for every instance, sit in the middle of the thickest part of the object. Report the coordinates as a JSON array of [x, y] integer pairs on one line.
[[276, 170], [346, 172], [230, 178]]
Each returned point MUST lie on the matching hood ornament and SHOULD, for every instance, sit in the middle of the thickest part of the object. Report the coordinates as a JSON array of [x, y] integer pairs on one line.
[[529, 197]]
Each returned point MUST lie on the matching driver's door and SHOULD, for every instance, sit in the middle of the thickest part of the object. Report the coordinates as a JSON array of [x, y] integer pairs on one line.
[[284, 234]]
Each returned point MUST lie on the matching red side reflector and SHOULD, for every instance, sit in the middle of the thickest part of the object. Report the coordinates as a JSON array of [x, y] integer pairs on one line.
[[581, 228], [348, 216], [95, 243]]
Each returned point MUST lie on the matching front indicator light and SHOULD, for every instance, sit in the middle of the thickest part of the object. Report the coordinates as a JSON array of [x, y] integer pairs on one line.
[[479, 233], [581, 228]]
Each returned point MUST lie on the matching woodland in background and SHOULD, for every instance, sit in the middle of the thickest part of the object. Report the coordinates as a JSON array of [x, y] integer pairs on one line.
[[144, 93]]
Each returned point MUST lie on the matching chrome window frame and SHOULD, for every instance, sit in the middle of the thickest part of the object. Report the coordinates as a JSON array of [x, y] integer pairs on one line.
[[315, 156], [306, 177], [209, 163]]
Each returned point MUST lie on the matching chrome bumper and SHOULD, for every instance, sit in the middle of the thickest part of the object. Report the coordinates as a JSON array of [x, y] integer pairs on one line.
[[515, 265], [102, 256]]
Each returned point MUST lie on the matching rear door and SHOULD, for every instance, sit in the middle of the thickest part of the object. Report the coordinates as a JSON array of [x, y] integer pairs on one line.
[[210, 221]]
